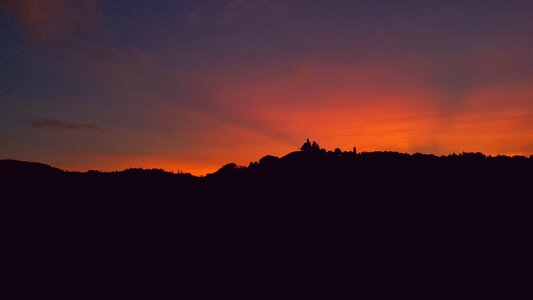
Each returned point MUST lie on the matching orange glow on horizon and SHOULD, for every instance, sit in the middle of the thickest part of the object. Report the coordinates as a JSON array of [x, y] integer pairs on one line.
[[372, 108]]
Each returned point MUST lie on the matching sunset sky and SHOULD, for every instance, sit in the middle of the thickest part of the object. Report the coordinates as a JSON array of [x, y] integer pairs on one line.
[[192, 85]]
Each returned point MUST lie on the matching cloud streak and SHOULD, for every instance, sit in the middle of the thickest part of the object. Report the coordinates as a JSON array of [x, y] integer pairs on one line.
[[51, 124]]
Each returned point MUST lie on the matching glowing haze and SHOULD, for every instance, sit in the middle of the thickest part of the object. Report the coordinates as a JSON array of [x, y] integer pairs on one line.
[[192, 85]]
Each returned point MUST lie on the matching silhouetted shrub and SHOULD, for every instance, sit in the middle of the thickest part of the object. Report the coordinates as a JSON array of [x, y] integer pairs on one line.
[[268, 160], [306, 146]]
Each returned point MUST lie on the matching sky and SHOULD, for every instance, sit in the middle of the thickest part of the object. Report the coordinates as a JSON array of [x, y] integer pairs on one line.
[[192, 85]]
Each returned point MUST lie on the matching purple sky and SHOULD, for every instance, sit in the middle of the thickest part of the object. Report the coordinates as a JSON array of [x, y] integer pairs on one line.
[[192, 85]]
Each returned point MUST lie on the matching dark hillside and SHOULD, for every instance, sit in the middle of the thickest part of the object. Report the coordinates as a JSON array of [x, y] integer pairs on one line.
[[312, 211]]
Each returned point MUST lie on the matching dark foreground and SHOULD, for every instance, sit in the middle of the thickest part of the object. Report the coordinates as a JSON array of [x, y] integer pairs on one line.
[[310, 222]]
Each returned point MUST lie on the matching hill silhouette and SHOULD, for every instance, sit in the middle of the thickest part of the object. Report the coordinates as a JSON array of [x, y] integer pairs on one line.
[[384, 216]]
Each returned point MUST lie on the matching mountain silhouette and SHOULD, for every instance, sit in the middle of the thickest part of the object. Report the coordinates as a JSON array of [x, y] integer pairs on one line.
[[388, 217]]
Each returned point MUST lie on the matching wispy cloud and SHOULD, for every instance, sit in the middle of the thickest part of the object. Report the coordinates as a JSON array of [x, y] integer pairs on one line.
[[51, 124], [49, 20], [76, 31]]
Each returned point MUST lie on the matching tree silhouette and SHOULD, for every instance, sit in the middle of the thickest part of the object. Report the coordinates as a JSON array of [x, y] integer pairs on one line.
[[306, 146], [310, 147], [315, 146]]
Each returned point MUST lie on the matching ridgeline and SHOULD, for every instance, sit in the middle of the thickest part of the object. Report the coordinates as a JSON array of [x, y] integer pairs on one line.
[[315, 212]]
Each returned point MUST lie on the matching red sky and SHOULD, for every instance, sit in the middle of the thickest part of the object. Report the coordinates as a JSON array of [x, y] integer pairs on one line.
[[193, 85]]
